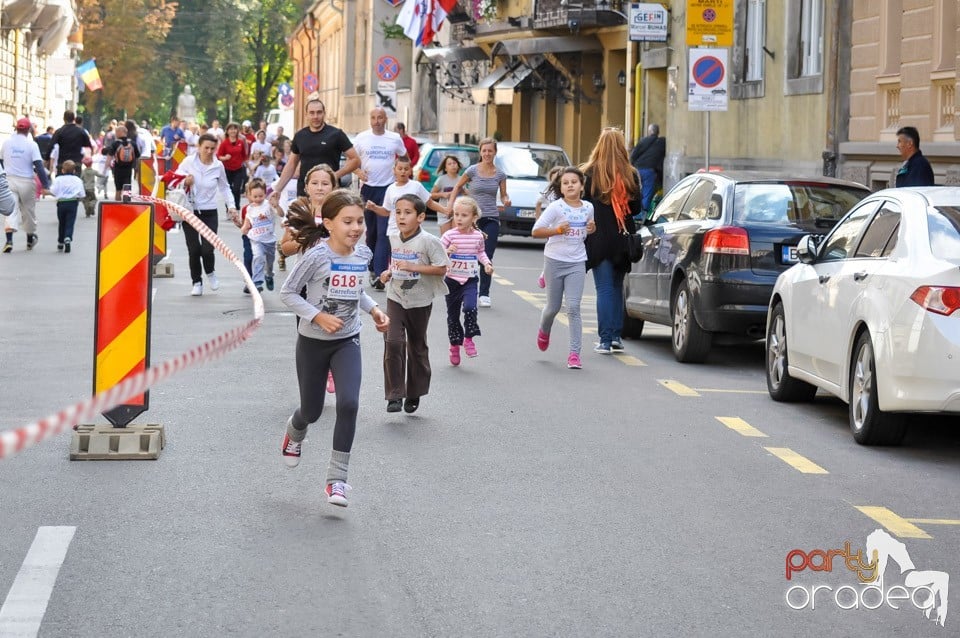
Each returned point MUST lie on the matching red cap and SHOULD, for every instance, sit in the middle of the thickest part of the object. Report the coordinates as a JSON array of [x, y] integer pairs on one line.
[[23, 124]]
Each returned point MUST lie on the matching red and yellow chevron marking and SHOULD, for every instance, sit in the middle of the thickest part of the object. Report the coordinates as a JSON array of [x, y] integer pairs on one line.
[[124, 279], [148, 178], [179, 154]]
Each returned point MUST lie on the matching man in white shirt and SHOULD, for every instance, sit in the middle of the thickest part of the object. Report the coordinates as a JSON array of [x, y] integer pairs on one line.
[[378, 148], [22, 159]]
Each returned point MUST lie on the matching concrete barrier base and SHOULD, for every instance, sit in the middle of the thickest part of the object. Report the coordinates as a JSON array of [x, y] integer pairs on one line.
[[104, 442], [163, 270]]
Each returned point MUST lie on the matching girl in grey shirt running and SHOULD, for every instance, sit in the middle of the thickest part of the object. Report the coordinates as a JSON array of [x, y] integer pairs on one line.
[[333, 272]]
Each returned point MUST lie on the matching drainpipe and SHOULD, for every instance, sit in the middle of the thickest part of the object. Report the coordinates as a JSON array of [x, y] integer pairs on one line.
[[834, 87]]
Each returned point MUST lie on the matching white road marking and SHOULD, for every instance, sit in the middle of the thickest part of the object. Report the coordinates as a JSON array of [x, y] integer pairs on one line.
[[26, 602]]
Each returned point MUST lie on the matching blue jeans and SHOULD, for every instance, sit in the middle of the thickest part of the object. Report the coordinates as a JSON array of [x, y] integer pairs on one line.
[[648, 184], [491, 226], [609, 283], [376, 236], [247, 255], [66, 218]]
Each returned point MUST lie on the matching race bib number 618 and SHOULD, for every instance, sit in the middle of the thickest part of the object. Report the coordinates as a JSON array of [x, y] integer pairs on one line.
[[346, 280]]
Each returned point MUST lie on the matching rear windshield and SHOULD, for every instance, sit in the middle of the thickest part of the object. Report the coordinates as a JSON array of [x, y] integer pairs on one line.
[[943, 225], [793, 202], [466, 156]]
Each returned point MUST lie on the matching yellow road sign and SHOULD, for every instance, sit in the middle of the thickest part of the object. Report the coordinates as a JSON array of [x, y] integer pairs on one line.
[[710, 23]]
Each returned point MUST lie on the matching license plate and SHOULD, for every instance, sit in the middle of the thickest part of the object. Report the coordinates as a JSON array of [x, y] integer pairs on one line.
[[525, 212], [789, 254]]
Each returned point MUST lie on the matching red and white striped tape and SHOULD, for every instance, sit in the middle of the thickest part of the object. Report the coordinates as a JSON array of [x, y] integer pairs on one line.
[[19, 439]]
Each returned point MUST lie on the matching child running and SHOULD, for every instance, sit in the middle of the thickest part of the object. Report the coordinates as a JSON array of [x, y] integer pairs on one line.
[[68, 189], [418, 262], [259, 225], [464, 244], [566, 222], [304, 213], [449, 173], [332, 271]]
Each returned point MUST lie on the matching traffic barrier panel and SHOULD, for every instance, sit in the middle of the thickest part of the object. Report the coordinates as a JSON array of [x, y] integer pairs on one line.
[[16, 440], [151, 168]]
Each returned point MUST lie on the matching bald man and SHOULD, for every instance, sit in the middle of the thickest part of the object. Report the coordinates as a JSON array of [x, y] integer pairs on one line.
[[378, 149]]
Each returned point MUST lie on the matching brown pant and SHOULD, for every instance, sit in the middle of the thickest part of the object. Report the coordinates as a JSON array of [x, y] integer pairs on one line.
[[406, 357]]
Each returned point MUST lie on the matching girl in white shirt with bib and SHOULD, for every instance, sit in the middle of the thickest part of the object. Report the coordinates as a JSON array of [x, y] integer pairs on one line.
[[566, 222]]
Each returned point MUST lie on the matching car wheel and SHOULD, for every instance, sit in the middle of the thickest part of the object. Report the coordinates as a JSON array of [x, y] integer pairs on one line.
[[632, 328], [869, 425], [780, 385], [691, 343]]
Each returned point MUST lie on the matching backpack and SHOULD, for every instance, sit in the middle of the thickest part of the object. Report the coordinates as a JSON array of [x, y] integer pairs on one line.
[[125, 153]]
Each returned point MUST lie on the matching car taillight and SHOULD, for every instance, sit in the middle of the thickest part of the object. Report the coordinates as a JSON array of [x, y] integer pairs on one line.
[[424, 176], [943, 300], [727, 240]]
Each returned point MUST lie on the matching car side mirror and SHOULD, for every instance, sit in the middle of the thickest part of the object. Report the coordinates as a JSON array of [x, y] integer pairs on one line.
[[807, 249]]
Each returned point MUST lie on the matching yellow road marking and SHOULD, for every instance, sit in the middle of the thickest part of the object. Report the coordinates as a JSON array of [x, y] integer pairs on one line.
[[895, 524], [796, 461], [678, 388], [629, 360], [731, 391], [740, 426], [934, 521], [502, 281]]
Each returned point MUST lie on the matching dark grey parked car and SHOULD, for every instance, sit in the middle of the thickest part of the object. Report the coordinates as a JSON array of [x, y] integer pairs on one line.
[[713, 249]]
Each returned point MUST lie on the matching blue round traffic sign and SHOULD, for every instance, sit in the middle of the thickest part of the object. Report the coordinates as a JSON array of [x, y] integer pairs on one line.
[[310, 82], [388, 68], [708, 71]]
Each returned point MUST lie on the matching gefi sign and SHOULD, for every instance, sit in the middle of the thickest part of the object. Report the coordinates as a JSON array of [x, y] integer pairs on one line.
[[708, 80], [648, 22]]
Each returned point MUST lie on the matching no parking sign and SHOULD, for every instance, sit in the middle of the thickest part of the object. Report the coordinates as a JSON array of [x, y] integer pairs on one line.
[[708, 80]]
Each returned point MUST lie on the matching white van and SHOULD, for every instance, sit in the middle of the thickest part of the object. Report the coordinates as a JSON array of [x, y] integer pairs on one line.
[[277, 118]]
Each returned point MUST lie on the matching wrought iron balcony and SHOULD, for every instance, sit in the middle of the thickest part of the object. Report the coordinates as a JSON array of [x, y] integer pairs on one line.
[[578, 14]]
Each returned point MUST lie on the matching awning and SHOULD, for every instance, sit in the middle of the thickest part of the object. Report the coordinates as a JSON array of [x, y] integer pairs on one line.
[[49, 16], [481, 90], [450, 54], [20, 13], [505, 88], [553, 44], [56, 35]]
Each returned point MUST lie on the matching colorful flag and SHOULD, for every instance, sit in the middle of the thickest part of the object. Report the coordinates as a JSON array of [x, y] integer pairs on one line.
[[90, 75], [422, 19]]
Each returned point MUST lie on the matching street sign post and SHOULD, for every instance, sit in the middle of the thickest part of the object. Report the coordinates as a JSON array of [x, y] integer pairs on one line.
[[387, 97]]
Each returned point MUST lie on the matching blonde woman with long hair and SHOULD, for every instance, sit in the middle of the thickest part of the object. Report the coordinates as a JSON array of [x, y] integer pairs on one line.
[[613, 187]]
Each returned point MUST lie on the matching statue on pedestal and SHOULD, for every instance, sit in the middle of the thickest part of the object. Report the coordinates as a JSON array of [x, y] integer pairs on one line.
[[187, 105]]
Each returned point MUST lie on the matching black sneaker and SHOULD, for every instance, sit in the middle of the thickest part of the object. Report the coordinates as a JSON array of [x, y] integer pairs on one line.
[[410, 405], [394, 405], [269, 282], [32, 241], [60, 248], [8, 247], [616, 346], [66, 245]]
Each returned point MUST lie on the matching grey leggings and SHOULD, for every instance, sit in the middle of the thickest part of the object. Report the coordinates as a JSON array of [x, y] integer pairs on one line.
[[342, 357], [564, 278]]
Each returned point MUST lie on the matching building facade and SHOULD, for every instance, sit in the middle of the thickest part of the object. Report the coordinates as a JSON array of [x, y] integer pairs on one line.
[[903, 72], [37, 63]]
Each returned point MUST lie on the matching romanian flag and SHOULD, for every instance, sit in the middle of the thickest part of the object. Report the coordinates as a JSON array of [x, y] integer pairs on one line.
[[90, 75]]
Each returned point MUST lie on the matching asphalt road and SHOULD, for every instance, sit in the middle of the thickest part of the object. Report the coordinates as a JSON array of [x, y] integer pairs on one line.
[[635, 497]]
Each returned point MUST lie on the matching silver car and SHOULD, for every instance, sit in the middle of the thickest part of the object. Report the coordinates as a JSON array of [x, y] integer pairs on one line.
[[526, 165]]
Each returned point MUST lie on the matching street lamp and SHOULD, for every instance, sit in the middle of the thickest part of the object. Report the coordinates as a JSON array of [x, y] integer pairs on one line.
[[598, 82], [622, 78]]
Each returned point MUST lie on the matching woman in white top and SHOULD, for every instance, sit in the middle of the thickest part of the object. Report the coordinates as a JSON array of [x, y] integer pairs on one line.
[[205, 178]]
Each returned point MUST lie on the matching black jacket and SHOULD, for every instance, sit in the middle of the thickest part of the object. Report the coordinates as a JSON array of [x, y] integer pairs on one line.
[[607, 242], [649, 153], [916, 171]]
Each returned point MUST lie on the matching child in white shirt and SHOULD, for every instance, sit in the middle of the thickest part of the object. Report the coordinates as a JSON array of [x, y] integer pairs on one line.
[[69, 191], [403, 185], [259, 225]]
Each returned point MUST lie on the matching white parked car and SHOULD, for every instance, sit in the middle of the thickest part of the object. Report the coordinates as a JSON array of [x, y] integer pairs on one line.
[[869, 314]]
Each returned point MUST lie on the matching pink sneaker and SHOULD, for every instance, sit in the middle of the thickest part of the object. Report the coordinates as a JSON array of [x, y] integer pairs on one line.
[[454, 355], [541, 282], [470, 347], [543, 340], [573, 361], [331, 388]]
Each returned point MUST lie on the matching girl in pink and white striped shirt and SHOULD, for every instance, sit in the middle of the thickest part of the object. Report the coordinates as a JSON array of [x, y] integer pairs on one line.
[[464, 244]]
